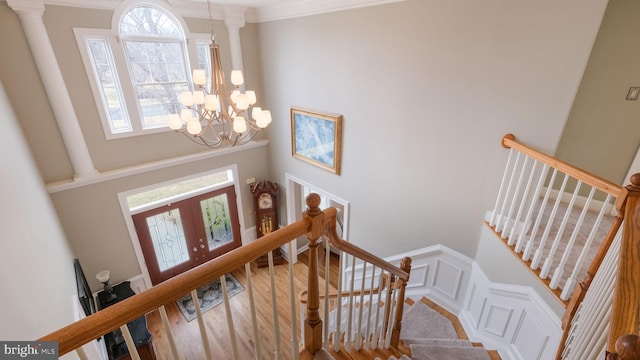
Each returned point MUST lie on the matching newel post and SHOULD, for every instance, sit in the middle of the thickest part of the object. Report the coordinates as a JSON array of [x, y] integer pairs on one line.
[[405, 265], [313, 323], [625, 312]]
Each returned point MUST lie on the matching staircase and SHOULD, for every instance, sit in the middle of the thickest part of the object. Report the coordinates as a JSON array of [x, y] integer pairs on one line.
[[431, 333], [428, 333]]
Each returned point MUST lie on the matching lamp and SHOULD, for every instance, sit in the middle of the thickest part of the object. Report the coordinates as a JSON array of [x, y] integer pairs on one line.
[[216, 116], [103, 277]]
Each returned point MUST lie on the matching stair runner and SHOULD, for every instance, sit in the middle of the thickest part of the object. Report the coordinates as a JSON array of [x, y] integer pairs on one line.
[[431, 336]]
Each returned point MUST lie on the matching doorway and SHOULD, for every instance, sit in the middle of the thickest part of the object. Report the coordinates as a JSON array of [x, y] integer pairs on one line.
[[181, 235]]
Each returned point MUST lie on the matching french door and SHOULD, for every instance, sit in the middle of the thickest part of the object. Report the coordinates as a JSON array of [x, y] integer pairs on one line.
[[182, 235]]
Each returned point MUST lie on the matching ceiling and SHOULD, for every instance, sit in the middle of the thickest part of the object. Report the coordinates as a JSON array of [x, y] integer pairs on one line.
[[258, 10]]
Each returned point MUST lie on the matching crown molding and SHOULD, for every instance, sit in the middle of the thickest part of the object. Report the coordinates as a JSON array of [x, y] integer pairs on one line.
[[290, 9], [270, 11]]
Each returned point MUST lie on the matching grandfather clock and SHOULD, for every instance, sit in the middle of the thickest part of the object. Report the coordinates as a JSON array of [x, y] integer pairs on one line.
[[265, 194]]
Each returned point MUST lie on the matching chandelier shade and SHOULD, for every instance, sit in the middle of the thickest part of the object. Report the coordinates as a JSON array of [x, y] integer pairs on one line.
[[215, 116]]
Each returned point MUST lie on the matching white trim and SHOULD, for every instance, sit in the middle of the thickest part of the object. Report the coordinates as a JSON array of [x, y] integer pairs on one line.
[[284, 9], [292, 207], [133, 236], [150, 166]]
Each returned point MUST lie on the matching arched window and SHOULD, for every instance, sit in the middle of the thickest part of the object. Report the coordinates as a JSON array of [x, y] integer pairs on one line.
[[138, 69]]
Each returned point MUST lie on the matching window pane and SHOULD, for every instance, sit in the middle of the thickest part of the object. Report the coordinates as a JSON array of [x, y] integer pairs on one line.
[[167, 192], [204, 60], [158, 71], [110, 92], [217, 223], [148, 21], [169, 242]]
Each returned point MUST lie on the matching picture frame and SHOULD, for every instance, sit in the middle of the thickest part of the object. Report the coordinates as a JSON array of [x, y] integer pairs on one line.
[[316, 138]]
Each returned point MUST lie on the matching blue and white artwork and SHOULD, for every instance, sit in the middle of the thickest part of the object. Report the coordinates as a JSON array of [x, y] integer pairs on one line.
[[314, 138]]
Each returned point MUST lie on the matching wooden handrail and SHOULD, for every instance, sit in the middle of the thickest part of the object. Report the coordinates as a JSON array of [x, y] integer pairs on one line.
[[509, 141], [104, 321], [314, 223], [330, 216]]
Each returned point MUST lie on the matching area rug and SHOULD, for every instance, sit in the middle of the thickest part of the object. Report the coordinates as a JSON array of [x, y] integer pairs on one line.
[[209, 296]]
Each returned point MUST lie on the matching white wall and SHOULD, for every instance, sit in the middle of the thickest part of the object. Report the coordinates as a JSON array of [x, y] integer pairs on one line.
[[427, 89], [36, 265]]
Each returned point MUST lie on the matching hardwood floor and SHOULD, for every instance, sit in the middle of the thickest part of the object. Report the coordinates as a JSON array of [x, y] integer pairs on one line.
[[187, 334]]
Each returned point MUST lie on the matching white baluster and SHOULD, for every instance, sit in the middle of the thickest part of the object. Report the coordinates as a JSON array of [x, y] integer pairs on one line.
[[347, 342], [532, 206], [360, 313], [559, 272], [338, 332], [367, 341], [523, 201], [534, 231], [500, 227], [327, 280], [546, 268], [378, 308], [494, 213], [572, 281], [82, 355], [514, 199], [227, 308], [167, 329], [201, 325], [274, 307], [292, 303], [386, 313], [257, 343], [131, 345], [392, 316], [535, 263]]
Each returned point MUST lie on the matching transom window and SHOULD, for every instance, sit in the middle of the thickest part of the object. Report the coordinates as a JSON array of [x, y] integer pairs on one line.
[[138, 69]]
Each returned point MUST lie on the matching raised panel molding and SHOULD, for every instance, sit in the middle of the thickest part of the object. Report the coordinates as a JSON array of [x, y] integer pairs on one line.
[[498, 319], [529, 339], [447, 278]]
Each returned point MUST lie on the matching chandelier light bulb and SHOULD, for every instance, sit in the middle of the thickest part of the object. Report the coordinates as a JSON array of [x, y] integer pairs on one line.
[[237, 78], [256, 112], [186, 115], [174, 122], [211, 103], [198, 97], [234, 96], [199, 77], [266, 114], [251, 95], [239, 124], [193, 126], [242, 102], [187, 98]]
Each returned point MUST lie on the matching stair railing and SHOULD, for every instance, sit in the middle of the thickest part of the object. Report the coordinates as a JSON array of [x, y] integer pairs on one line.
[[366, 314], [252, 337], [552, 215]]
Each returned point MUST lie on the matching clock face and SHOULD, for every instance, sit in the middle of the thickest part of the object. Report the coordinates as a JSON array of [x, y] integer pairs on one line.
[[265, 201]]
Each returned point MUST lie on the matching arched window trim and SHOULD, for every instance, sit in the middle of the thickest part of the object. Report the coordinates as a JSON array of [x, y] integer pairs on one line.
[[112, 39]]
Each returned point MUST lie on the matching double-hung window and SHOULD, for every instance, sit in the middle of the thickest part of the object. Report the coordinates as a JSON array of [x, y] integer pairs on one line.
[[138, 68]]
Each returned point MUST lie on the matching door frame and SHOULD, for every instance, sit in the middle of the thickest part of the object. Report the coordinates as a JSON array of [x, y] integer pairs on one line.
[[295, 209], [133, 236]]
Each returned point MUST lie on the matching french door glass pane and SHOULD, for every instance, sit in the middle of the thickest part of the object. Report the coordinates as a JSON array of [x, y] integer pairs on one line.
[[168, 239], [215, 213]]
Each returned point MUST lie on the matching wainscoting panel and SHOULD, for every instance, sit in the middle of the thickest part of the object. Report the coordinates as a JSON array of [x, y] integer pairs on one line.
[[440, 273], [512, 319]]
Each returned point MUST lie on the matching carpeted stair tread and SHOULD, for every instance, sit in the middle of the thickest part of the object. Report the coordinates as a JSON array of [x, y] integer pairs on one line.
[[441, 352], [448, 342], [421, 321], [403, 357]]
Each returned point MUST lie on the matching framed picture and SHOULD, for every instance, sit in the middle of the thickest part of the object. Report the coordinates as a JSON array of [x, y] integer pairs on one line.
[[316, 138]]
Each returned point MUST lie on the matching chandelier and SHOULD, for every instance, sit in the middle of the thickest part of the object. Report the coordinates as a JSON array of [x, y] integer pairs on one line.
[[215, 116]]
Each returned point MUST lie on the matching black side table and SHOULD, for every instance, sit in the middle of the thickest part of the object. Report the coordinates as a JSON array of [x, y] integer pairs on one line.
[[114, 341]]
